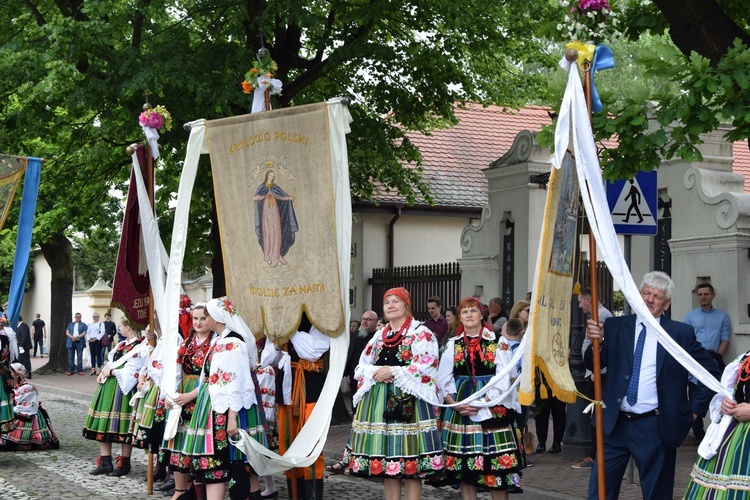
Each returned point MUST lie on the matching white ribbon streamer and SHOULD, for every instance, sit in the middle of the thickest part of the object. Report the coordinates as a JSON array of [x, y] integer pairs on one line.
[[573, 111], [152, 135]]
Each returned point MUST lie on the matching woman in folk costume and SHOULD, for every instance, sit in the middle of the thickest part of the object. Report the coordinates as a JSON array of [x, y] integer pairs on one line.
[[149, 419], [7, 417], [33, 430], [191, 357], [147, 429], [482, 446], [109, 415], [12, 341], [722, 472], [226, 401], [395, 433], [266, 375], [304, 376]]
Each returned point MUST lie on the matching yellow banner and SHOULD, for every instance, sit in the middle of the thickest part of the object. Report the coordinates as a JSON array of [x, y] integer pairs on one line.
[[274, 195], [550, 322], [12, 169]]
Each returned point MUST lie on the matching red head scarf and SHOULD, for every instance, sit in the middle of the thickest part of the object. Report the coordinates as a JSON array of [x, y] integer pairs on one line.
[[186, 315], [403, 294]]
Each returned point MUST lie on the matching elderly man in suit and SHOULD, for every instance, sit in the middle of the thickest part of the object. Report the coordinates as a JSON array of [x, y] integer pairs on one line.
[[647, 413]]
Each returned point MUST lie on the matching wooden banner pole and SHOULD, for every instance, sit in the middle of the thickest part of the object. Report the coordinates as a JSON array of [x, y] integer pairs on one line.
[[595, 343]]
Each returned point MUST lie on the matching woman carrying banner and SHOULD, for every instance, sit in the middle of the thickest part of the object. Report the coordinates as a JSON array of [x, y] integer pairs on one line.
[[109, 415], [147, 426], [721, 472], [226, 401], [394, 432], [482, 447], [33, 430], [191, 357]]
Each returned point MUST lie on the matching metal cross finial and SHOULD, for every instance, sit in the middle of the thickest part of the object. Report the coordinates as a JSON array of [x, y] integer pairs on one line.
[[261, 35], [146, 105]]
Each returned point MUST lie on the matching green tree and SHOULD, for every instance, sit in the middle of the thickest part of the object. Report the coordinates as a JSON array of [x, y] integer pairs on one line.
[[75, 71], [707, 70]]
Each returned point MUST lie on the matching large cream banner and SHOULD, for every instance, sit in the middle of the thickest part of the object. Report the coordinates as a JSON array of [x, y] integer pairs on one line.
[[274, 195], [549, 324]]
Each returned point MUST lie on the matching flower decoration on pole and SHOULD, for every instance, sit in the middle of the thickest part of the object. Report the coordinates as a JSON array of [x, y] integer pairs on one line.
[[592, 21], [589, 23], [152, 121], [260, 79]]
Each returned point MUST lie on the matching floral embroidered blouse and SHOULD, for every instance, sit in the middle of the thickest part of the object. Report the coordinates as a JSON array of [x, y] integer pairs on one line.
[[413, 363], [127, 374], [227, 373], [496, 355], [26, 400]]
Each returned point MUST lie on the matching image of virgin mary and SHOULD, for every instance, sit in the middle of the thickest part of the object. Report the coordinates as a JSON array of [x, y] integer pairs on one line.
[[275, 221]]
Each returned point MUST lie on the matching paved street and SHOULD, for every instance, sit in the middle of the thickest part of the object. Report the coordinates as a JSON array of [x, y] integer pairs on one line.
[[63, 474]]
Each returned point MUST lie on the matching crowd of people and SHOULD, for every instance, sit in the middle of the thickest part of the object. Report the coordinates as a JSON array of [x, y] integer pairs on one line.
[[408, 380]]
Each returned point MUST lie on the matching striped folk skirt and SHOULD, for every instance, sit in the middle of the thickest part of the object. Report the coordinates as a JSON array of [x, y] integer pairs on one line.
[[108, 418], [147, 434], [392, 449], [32, 432], [726, 476], [207, 443], [7, 417], [178, 461], [486, 453]]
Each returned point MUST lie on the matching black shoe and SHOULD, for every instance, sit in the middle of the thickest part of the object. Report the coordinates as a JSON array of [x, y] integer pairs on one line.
[[123, 467], [160, 473], [167, 486], [103, 466], [275, 494], [541, 448], [555, 448]]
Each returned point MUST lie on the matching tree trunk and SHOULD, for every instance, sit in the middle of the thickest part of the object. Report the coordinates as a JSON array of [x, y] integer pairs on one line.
[[701, 26], [57, 252]]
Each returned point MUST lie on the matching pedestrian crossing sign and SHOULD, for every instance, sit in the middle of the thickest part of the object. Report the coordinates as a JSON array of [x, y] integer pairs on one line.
[[633, 204]]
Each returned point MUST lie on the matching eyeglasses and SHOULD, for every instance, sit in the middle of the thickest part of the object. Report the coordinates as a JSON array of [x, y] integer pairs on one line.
[[368, 319]]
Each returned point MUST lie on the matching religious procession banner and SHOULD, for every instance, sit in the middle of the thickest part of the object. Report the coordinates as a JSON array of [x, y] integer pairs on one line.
[[11, 169], [130, 289], [549, 324], [274, 193]]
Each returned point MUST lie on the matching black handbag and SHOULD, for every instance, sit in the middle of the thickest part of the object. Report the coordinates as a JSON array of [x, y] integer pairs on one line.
[[400, 408], [239, 481]]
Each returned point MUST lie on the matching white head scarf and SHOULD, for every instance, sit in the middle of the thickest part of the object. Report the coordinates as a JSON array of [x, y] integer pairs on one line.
[[224, 311], [20, 369]]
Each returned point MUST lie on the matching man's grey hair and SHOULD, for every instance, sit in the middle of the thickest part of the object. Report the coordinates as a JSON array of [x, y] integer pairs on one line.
[[659, 280]]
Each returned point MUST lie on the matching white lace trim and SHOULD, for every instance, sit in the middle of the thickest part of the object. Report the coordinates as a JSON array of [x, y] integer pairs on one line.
[[407, 382], [222, 402]]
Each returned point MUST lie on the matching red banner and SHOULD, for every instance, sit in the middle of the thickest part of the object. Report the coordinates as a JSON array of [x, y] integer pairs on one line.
[[130, 291]]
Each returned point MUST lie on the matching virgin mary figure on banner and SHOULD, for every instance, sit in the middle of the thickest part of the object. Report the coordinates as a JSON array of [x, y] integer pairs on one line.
[[275, 221]]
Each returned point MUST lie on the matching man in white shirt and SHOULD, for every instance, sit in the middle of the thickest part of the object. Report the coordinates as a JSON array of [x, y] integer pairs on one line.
[[94, 333], [647, 413]]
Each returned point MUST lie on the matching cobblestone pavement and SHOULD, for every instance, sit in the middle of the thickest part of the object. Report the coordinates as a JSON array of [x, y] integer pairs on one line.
[[64, 474]]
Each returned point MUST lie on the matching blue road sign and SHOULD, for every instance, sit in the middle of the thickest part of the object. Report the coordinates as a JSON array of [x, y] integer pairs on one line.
[[633, 204]]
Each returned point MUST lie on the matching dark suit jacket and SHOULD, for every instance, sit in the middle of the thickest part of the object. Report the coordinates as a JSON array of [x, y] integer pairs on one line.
[[23, 334], [675, 410], [356, 346]]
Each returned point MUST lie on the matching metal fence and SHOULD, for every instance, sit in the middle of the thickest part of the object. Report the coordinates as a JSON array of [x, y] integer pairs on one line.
[[604, 281], [443, 280]]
